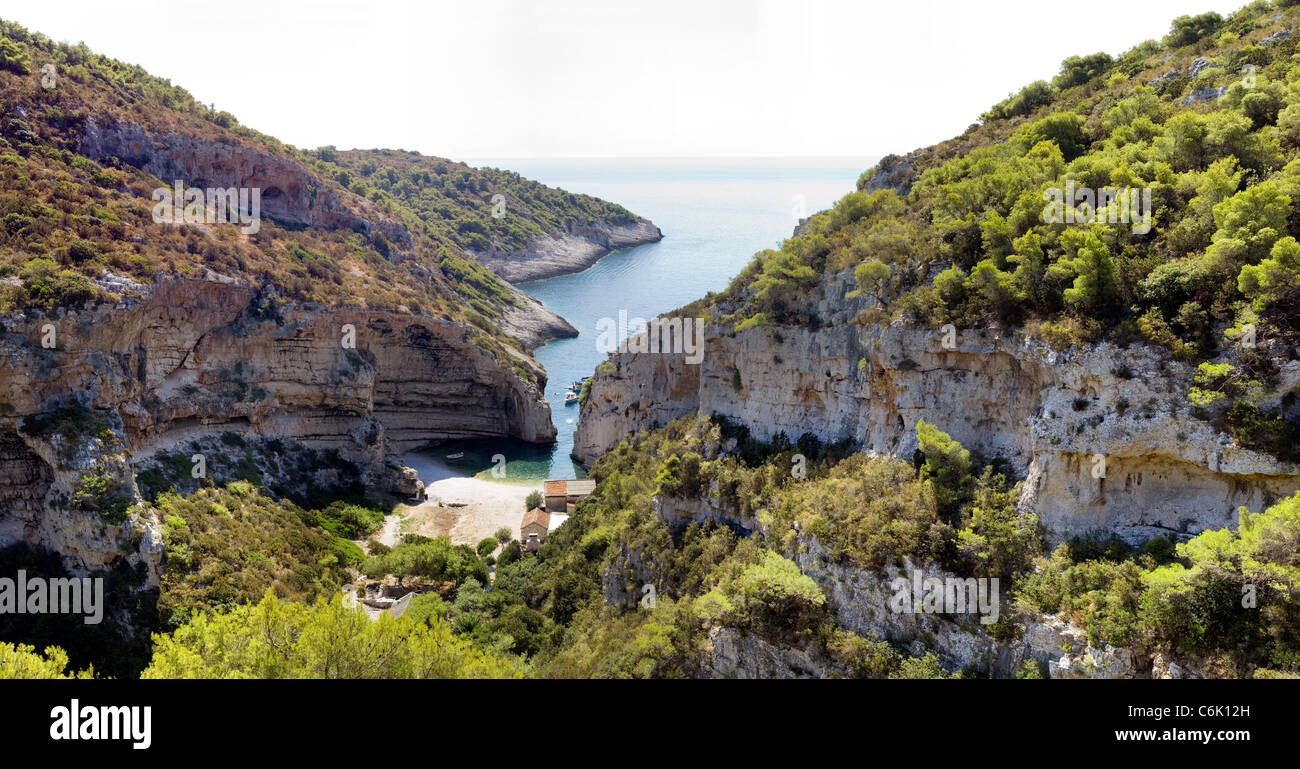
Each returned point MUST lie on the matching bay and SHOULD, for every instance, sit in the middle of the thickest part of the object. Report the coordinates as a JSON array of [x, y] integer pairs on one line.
[[715, 214]]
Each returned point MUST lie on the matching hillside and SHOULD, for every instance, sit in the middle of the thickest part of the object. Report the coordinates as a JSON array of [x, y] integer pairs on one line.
[[518, 228], [970, 313], [953, 258], [957, 376], [290, 301]]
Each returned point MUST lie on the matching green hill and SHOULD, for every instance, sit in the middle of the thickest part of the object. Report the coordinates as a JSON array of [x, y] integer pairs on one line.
[[85, 140], [1205, 121]]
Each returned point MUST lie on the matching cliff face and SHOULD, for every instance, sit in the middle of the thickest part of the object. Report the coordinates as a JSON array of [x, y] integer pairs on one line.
[[293, 195], [188, 358], [91, 398], [862, 602], [1102, 435], [572, 250], [290, 194], [532, 324]]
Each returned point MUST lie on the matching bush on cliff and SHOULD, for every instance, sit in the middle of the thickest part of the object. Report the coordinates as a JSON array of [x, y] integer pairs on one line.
[[228, 546]]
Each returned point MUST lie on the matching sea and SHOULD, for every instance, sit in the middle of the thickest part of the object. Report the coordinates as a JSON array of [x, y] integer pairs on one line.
[[715, 215]]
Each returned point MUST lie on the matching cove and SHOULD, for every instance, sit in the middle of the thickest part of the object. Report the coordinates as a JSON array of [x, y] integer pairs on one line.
[[715, 213]]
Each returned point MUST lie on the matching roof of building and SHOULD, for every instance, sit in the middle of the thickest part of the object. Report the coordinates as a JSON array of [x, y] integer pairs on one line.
[[536, 515], [556, 520], [555, 488], [582, 486]]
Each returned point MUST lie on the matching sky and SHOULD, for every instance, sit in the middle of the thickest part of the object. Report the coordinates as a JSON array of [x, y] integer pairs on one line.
[[604, 78]]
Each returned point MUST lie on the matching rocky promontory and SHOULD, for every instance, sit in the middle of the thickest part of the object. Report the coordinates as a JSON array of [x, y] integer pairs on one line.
[[573, 249]]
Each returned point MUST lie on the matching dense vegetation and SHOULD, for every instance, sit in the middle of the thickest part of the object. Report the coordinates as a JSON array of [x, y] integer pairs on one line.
[[1228, 598], [227, 547], [434, 559], [287, 639], [456, 202], [1206, 123], [576, 608], [579, 606]]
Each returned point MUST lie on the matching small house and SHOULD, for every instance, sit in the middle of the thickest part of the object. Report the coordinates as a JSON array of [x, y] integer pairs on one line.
[[533, 529], [561, 495]]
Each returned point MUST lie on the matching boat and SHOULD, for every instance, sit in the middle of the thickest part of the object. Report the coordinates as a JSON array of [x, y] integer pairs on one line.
[[457, 455], [570, 398]]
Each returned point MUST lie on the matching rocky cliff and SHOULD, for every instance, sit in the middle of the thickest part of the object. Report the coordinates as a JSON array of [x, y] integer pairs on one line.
[[861, 600], [295, 196], [346, 327], [187, 358], [1103, 435], [574, 249], [290, 193]]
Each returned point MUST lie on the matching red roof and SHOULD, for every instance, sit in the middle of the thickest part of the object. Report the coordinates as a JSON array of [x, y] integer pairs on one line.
[[556, 488]]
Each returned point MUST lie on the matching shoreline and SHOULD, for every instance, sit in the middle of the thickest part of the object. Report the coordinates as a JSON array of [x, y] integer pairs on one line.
[[563, 253], [459, 506]]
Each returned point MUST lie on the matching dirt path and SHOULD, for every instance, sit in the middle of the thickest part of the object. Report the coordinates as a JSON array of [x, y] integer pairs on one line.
[[391, 531]]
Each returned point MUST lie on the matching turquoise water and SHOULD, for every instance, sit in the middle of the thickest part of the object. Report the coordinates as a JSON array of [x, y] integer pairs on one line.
[[513, 461], [714, 214]]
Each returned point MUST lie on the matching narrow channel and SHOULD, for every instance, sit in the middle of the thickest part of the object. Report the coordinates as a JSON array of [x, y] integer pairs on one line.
[[715, 213]]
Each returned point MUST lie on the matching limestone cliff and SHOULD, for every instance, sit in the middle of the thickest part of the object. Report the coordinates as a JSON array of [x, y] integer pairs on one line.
[[572, 250], [347, 324], [1103, 435], [190, 357]]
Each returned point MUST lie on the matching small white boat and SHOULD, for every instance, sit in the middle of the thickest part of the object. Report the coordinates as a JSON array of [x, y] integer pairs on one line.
[[570, 398], [457, 455]]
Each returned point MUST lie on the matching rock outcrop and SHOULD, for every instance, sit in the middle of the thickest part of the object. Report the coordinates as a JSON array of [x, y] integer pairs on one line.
[[575, 249], [290, 193], [861, 602], [188, 358], [740, 654], [1104, 436], [532, 324]]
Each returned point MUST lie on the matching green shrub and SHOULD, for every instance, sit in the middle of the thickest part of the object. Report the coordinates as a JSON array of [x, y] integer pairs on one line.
[[1189, 29], [1261, 430], [277, 639], [14, 57]]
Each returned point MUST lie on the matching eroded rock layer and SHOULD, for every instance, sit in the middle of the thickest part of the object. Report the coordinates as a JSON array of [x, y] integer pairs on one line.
[[1103, 436], [195, 357]]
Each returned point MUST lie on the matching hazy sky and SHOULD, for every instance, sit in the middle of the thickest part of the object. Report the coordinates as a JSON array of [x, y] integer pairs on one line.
[[536, 78]]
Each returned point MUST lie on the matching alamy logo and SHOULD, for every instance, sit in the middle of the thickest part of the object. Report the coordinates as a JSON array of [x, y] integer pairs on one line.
[[214, 205], [105, 722], [681, 336], [57, 595], [1085, 205], [952, 595]]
